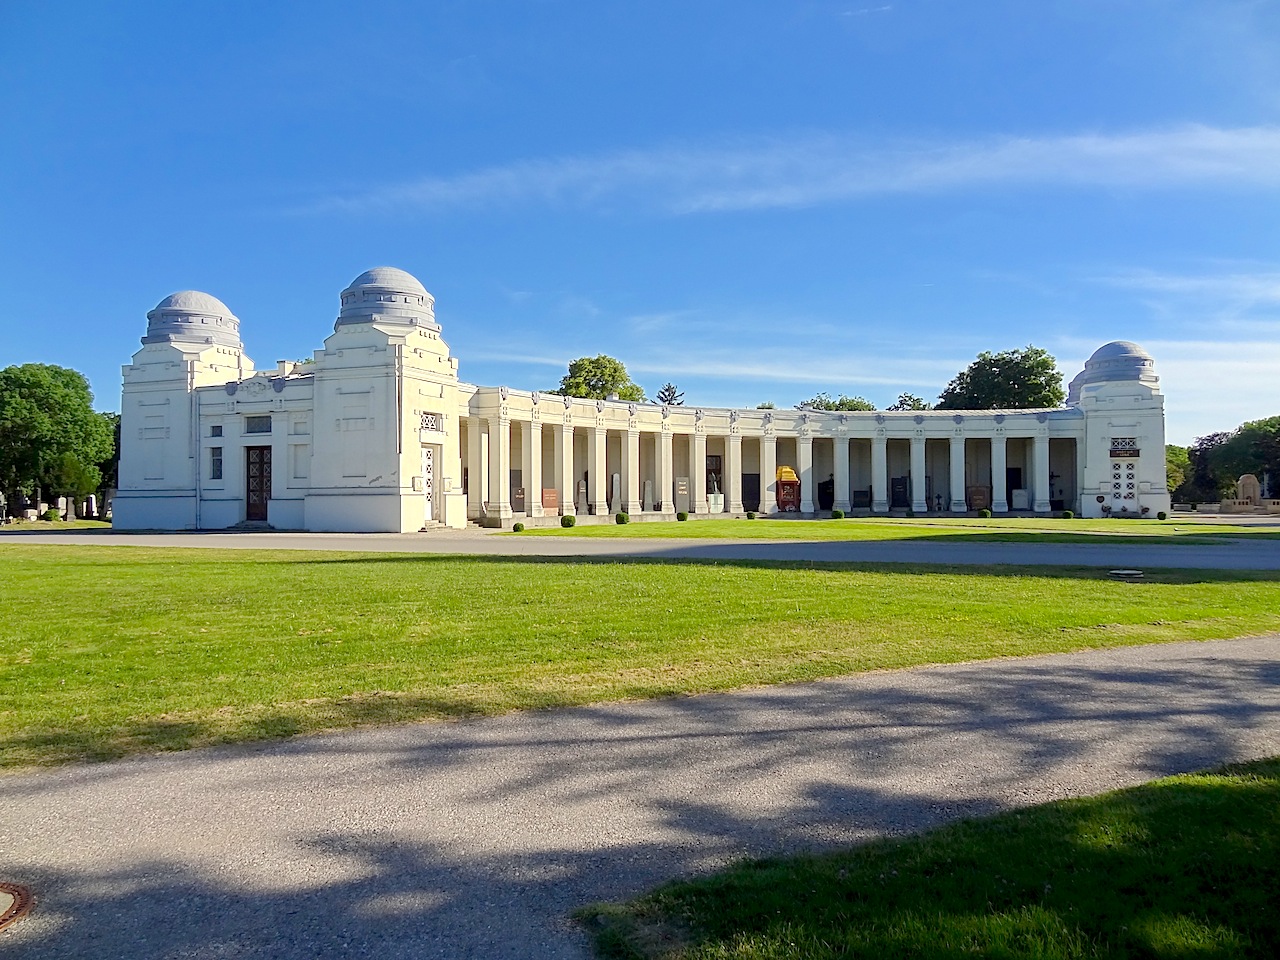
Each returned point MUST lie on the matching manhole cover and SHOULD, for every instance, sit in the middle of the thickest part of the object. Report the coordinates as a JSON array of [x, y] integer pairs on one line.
[[15, 901], [1125, 574]]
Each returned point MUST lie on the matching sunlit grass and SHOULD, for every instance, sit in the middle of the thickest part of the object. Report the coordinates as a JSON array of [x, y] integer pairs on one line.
[[114, 650], [1183, 867]]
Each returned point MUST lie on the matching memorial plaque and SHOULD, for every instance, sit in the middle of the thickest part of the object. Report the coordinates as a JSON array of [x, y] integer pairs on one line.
[[978, 498], [550, 498]]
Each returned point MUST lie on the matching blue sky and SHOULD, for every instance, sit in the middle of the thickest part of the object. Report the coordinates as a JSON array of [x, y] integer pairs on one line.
[[755, 200]]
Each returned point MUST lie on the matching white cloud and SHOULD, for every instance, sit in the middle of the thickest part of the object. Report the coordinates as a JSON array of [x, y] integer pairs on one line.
[[1211, 385], [809, 170]]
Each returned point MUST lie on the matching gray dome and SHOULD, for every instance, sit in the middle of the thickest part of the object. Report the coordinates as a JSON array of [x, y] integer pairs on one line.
[[1117, 361], [190, 316], [387, 295]]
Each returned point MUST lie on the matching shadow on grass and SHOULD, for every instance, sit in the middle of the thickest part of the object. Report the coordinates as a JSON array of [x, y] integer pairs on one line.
[[1178, 868]]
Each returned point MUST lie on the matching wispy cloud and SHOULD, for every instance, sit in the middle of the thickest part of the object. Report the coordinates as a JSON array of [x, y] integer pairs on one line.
[[805, 171], [1233, 297]]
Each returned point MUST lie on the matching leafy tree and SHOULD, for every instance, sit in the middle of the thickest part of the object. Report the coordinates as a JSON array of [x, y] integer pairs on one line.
[[1177, 466], [50, 436], [909, 401], [767, 405], [669, 395], [824, 401], [1218, 460], [1208, 478], [596, 378], [1010, 380]]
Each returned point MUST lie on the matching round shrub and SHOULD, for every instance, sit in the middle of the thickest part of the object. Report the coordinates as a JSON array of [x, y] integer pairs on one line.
[[911, 513], [51, 514], [682, 516], [518, 527], [837, 514], [621, 518], [1162, 515], [568, 520], [984, 513], [1068, 515], [751, 514]]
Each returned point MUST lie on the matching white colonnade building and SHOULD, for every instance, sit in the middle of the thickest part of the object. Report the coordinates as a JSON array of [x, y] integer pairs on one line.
[[377, 433]]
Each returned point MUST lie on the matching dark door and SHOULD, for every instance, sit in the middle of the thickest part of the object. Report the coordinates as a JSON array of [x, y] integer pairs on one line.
[[1012, 482], [257, 482], [751, 491], [899, 493]]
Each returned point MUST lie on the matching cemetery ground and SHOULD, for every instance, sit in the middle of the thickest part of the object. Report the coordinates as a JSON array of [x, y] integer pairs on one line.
[[1184, 866], [113, 651]]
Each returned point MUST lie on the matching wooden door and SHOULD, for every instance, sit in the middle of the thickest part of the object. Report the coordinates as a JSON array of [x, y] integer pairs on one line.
[[257, 482]]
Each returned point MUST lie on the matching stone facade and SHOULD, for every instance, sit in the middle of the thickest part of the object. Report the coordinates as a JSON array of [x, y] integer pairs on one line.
[[377, 433]]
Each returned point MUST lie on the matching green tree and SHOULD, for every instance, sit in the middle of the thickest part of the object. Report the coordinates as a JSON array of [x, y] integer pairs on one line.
[[767, 405], [1177, 466], [669, 395], [50, 436], [596, 378], [1208, 478], [1010, 380], [824, 401], [909, 401]]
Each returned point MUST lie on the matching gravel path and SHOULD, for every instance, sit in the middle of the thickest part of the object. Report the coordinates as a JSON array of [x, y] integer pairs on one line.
[[1232, 554], [477, 839]]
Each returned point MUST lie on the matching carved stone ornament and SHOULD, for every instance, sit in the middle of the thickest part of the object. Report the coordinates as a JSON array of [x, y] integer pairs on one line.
[[231, 389], [568, 401], [1042, 417], [698, 415], [599, 406], [768, 417], [804, 419], [999, 418], [631, 409], [844, 418], [255, 387], [958, 419], [879, 418], [733, 416], [502, 393], [537, 397], [918, 418], [666, 411]]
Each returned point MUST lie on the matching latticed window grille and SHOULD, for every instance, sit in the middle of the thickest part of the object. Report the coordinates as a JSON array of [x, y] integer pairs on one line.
[[430, 421]]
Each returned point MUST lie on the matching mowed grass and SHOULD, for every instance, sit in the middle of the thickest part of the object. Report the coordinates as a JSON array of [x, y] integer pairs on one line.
[[115, 650], [1005, 530], [1183, 867]]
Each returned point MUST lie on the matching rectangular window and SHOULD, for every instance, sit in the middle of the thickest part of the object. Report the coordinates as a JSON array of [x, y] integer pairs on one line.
[[215, 430], [215, 463], [257, 424]]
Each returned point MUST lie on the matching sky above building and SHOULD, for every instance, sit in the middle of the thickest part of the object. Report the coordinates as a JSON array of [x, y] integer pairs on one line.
[[755, 200]]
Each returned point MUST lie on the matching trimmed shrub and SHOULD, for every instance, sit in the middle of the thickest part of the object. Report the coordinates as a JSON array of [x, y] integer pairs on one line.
[[568, 520], [518, 527], [984, 513], [751, 514], [51, 514], [911, 513], [837, 514], [1162, 515], [1068, 515], [682, 516], [621, 518]]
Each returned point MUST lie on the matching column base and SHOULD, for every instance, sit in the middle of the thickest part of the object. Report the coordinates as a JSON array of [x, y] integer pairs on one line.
[[843, 505], [735, 506], [959, 506], [1042, 506], [632, 507], [806, 508], [879, 506], [919, 507], [999, 508]]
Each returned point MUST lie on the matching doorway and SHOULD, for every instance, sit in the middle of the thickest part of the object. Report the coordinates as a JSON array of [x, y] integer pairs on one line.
[[257, 482], [428, 485]]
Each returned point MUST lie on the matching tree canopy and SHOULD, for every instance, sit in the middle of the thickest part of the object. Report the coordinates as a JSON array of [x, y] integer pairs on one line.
[[50, 436], [1217, 461], [824, 401], [670, 395], [596, 378], [1010, 380], [909, 401]]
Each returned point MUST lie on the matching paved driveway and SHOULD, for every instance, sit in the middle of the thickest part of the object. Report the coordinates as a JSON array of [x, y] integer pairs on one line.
[[1235, 554], [477, 839]]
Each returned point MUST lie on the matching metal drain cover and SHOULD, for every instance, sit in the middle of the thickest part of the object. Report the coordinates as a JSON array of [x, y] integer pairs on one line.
[[15, 902]]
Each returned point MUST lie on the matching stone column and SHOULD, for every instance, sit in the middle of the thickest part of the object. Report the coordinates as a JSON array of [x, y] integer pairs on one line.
[[597, 482], [918, 502], [531, 466], [879, 474], [769, 475], [999, 462], [804, 451], [500, 467], [666, 475], [631, 472], [564, 468], [733, 475], [957, 475], [477, 467], [1041, 475], [698, 467], [841, 445]]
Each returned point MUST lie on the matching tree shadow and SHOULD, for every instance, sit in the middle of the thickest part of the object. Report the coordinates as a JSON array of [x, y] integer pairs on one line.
[[478, 839]]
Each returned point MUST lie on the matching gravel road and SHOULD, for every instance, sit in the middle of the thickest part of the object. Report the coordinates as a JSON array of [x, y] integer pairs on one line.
[[477, 839]]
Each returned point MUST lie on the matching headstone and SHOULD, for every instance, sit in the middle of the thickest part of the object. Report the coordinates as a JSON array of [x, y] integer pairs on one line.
[[647, 503], [1019, 499], [1249, 489], [683, 500], [550, 499], [582, 498], [615, 492]]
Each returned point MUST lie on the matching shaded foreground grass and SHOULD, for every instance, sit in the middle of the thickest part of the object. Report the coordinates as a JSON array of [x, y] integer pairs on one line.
[[116, 650], [1183, 867], [994, 529]]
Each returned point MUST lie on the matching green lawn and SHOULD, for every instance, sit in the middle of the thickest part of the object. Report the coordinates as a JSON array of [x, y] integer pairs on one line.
[[1183, 867], [1008, 529], [115, 650]]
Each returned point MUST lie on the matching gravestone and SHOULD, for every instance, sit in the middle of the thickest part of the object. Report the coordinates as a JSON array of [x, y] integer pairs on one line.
[[647, 503], [1249, 489], [682, 495]]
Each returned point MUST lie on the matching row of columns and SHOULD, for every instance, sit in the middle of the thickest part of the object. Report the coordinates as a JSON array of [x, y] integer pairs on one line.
[[483, 453]]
